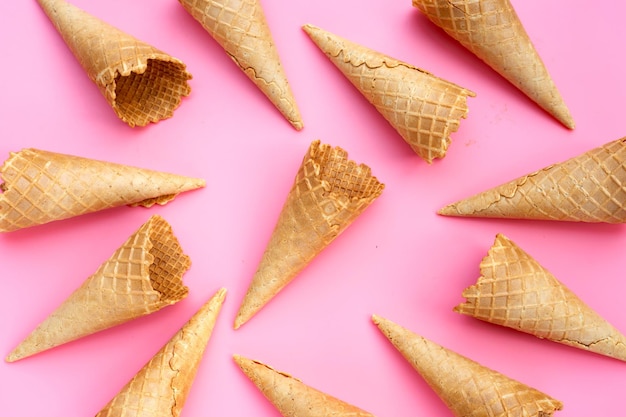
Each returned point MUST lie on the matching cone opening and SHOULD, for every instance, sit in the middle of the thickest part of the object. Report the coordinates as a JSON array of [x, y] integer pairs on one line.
[[152, 95]]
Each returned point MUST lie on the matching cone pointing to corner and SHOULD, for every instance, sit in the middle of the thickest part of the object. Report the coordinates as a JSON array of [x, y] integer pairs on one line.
[[293, 398], [141, 277], [465, 386], [588, 188], [328, 194], [161, 387], [423, 108], [515, 291], [492, 31], [240, 27], [140, 83], [40, 187]]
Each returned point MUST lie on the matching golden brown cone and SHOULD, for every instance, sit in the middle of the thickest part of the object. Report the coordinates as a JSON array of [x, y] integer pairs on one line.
[[465, 386], [141, 83], [328, 194], [424, 109], [240, 27], [590, 187], [161, 387], [515, 291], [293, 398], [41, 186], [141, 277], [492, 31]]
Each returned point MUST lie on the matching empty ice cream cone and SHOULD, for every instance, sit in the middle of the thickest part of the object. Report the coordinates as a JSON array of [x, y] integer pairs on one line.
[[240, 27], [141, 277], [328, 194], [465, 386], [515, 291], [588, 188], [141, 83], [293, 398], [424, 109], [492, 30], [161, 387], [40, 187]]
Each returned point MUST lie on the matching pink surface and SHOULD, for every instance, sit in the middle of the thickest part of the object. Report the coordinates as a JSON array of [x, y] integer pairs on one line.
[[398, 260]]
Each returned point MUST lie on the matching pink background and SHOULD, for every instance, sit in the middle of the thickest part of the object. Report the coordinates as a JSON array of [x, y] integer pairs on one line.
[[398, 260]]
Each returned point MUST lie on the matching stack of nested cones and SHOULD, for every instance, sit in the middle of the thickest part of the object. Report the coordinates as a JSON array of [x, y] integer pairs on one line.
[[423, 108], [141, 83]]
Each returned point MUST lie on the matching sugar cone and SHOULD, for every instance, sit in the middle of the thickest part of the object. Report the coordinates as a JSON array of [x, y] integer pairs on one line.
[[465, 386], [240, 27], [141, 277], [328, 194], [588, 188], [423, 108], [492, 31], [293, 398], [40, 187], [161, 387], [140, 83], [515, 291]]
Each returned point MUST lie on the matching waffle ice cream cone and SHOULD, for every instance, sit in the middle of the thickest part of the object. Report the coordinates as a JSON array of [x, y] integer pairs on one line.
[[240, 27], [41, 186], [424, 109], [140, 83], [515, 291], [293, 398], [590, 187], [465, 386], [161, 387], [141, 277], [492, 31], [328, 194]]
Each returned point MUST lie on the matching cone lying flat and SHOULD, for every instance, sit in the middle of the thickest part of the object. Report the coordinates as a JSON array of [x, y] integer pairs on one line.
[[516, 292], [240, 27], [328, 194], [465, 386], [40, 187], [588, 188], [492, 31], [423, 108], [161, 387], [140, 83], [293, 398], [142, 276]]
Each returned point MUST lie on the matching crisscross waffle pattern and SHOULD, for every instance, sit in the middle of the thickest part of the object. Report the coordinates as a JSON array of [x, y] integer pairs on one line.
[[328, 194], [515, 291], [468, 388], [293, 398], [588, 188], [141, 277], [492, 30], [241, 28], [41, 186], [141, 83], [424, 109]]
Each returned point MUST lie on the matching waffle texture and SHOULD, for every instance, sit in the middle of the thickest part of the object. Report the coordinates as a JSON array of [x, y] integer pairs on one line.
[[41, 186], [240, 27], [515, 291], [465, 386], [328, 194], [492, 31], [293, 398], [141, 277], [590, 187], [141, 83], [161, 387], [423, 108]]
